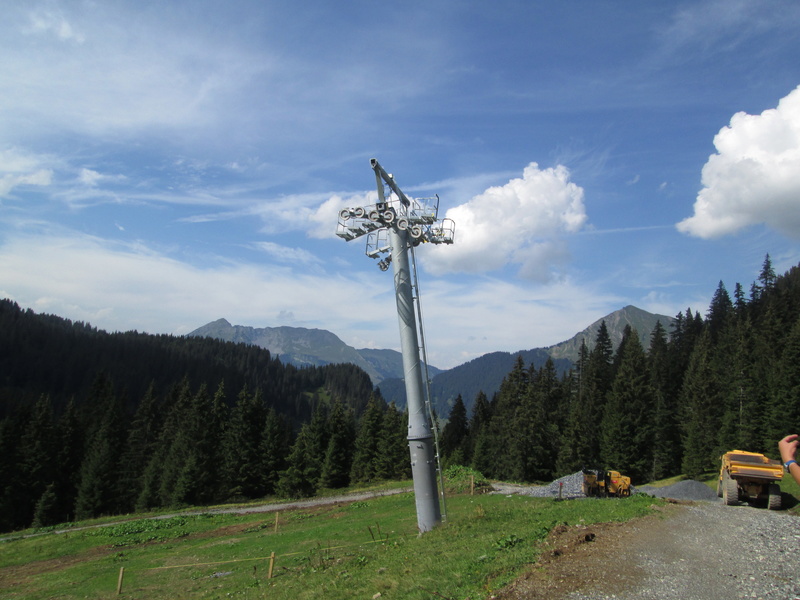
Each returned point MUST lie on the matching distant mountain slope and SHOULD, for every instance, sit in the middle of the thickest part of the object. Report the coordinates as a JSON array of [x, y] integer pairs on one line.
[[301, 346], [486, 372], [640, 320]]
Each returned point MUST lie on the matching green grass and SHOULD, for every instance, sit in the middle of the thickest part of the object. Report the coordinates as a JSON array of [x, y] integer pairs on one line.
[[353, 550]]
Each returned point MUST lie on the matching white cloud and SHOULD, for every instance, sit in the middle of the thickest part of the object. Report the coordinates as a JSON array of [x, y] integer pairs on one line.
[[286, 254], [755, 175], [48, 22], [520, 223], [18, 168], [9, 182], [120, 287]]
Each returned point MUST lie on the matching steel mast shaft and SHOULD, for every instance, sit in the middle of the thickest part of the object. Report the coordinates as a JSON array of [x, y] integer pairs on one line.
[[420, 436]]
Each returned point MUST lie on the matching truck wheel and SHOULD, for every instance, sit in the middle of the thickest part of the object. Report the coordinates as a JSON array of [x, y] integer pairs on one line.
[[719, 488], [730, 491], [774, 502]]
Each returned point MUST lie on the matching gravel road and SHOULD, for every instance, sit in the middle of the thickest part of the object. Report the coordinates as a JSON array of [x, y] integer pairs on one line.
[[698, 549]]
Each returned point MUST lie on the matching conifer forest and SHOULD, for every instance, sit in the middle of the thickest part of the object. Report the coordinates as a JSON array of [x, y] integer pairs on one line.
[[95, 423]]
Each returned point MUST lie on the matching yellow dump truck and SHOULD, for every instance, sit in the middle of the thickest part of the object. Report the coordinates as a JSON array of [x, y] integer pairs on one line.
[[749, 476], [606, 483]]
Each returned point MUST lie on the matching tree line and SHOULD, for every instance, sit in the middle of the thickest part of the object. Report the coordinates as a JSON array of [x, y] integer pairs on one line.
[[729, 380], [70, 451]]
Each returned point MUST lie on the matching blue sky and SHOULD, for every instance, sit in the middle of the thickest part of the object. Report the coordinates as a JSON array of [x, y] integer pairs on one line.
[[163, 165]]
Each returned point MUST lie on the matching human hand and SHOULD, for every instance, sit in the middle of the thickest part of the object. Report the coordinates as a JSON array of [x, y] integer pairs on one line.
[[788, 447]]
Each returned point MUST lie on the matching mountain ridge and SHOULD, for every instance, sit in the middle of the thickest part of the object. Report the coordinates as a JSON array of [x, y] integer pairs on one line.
[[301, 346], [305, 347]]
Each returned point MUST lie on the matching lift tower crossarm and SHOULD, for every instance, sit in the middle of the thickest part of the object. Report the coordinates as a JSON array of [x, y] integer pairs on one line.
[[380, 174]]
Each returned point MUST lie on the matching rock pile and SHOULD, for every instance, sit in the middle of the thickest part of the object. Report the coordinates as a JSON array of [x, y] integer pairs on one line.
[[688, 489], [571, 486]]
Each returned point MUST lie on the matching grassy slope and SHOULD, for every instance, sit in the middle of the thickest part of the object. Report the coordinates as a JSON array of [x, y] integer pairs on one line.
[[338, 551]]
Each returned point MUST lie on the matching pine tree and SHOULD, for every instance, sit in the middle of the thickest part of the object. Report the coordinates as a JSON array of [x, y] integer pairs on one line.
[[784, 408], [576, 450], [242, 443], [47, 511], [339, 454], [97, 492], [177, 442], [509, 418], [454, 434], [627, 421], [275, 444], [719, 312], [70, 457], [700, 401], [478, 423], [13, 513], [365, 455], [299, 479], [666, 436], [139, 447], [393, 460], [38, 455], [199, 443]]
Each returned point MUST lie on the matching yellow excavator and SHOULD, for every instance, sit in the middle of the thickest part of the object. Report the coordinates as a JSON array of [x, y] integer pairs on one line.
[[605, 484]]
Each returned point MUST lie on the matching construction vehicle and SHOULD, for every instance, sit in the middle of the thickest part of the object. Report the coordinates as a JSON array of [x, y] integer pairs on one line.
[[749, 476], [606, 483]]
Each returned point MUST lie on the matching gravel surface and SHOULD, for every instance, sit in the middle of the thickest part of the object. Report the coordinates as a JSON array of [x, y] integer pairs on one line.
[[695, 549], [706, 551]]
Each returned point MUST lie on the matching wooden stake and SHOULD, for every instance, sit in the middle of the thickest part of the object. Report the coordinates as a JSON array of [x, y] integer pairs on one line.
[[276, 521], [472, 485], [271, 565], [119, 581]]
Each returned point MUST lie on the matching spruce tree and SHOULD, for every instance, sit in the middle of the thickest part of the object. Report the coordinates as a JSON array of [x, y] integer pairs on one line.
[[454, 434], [98, 489], [178, 441], [38, 455], [394, 460], [365, 455], [627, 430], [784, 407], [700, 402], [199, 443], [509, 418], [339, 454], [242, 443], [576, 450], [666, 435], [300, 478], [139, 447], [13, 513], [719, 312], [478, 423], [71, 442], [275, 444]]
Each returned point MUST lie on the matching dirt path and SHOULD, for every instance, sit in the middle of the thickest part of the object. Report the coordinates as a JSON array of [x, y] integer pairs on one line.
[[258, 508], [689, 552]]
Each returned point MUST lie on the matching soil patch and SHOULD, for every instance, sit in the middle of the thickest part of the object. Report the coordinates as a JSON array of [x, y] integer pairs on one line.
[[578, 556]]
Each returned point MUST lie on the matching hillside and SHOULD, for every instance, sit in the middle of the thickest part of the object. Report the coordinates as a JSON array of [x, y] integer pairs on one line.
[[640, 320], [486, 372], [301, 347], [482, 374]]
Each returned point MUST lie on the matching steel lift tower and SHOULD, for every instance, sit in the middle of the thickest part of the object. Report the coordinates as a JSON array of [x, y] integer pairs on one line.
[[395, 225]]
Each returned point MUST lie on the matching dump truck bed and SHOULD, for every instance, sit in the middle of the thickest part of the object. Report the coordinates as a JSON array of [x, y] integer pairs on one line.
[[750, 465]]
